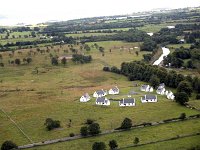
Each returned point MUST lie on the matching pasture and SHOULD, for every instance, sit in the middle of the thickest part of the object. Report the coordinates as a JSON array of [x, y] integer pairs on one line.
[[30, 98]]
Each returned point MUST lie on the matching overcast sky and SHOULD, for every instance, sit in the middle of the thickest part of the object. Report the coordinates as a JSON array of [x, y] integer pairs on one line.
[[35, 11]]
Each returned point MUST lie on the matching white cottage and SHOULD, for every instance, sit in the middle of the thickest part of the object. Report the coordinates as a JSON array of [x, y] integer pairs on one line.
[[114, 91], [102, 101], [100, 93], [127, 102], [161, 89], [149, 98], [170, 95], [146, 88], [85, 98]]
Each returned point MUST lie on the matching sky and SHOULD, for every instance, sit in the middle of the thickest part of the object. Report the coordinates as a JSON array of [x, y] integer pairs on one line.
[[37, 11]]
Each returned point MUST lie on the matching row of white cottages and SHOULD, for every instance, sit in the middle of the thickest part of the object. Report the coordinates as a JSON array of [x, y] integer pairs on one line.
[[160, 90], [102, 100], [126, 101]]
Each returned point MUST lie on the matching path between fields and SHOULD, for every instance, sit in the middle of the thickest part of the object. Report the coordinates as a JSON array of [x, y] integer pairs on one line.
[[26, 136], [65, 139]]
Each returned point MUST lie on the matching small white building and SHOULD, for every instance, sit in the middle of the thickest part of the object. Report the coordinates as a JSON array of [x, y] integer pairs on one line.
[[102, 101], [127, 102], [114, 91], [100, 93], [161, 89], [149, 98], [170, 95], [85, 98], [146, 88]]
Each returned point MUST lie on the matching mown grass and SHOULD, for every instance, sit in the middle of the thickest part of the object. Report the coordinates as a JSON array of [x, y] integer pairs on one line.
[[145, 135]]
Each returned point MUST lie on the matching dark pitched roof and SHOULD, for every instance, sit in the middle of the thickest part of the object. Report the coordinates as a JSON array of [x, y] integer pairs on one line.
[[101, 100], [100, 92], [144, 86], [125, 101], [115, 89], [150, 97]]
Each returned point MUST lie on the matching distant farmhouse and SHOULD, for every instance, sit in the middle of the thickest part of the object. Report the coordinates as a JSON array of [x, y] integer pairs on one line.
[[100, 93], [170, 95], [146, 88], [102, 101], [127, 102], [85, 98], [114, 91], [149, 98], [161, 89]]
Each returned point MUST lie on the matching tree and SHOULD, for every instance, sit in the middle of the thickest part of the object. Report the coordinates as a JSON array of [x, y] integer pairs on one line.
[[181, 98], [54, 61], [51, 124], [89, 121], [154, 80], [17, 61], [126, 124], [99, 146], [113, 144], [185, 86], [136, 140], [64, 61], [94, 129], [29, 60], [182, 116], [148, 45], [8, 145], [84, 131], [137, 53]]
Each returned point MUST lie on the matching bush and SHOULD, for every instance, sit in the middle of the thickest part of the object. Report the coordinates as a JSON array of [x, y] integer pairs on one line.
[[182, 116], [89, 121], [181, 98], [71, 134], [113, 144], [198, 96], [84, 131], [106, 69], [8, 145], [136, 140], [126, 124], [94, 129], [51, 124], [1, 64], [99, 146]]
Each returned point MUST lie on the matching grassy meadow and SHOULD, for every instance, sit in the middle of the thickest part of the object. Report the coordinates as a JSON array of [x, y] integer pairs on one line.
[[30, 98]]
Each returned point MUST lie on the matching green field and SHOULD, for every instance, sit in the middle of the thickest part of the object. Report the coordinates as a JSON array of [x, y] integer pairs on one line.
[[87, 34], [145, 135], [55, 93]]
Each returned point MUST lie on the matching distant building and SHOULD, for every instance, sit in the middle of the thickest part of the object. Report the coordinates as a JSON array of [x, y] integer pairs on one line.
[[127, 102], [149, 98], [102, 101], [146, 88], [114, 91], [100, 93], [161, 89], [85, 98], [170, 95]]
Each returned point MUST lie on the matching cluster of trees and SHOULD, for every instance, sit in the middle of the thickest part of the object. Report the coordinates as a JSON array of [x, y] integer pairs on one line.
[[8, 145], [176, 59], [137, 70], [78, 58], [51, 124], [133, 35], [92, 128]]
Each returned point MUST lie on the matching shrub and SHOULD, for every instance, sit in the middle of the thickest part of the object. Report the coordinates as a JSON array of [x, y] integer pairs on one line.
[[89, 121], [198, 96], [126, 124], [99, 146], [7, 145], [136, 140], [113, 144], [106, 69], [84, 131], [51, 124], [71, 134], [182, 116], [94, 129]]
